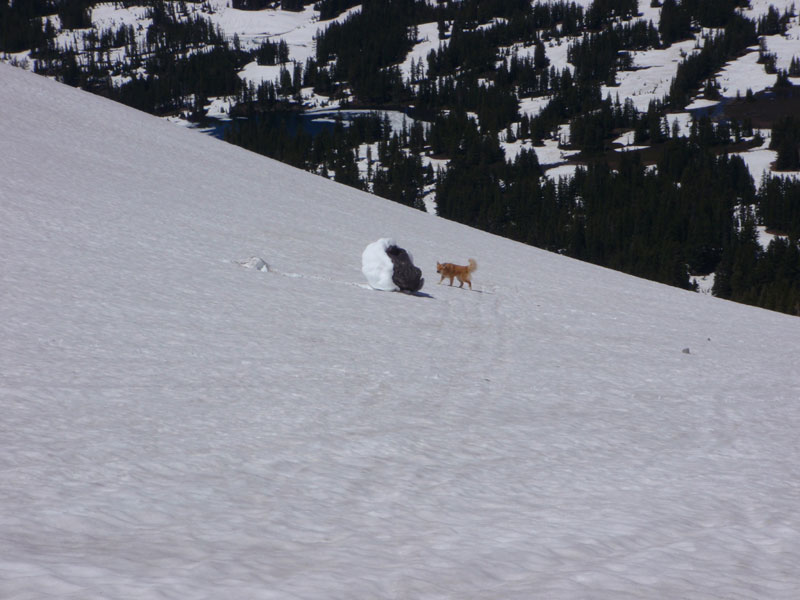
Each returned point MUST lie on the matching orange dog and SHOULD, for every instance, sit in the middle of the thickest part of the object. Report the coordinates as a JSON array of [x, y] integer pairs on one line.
[[450, 271]]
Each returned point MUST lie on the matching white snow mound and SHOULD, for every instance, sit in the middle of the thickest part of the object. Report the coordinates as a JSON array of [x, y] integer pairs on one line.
[[377, 266], [256, 263]]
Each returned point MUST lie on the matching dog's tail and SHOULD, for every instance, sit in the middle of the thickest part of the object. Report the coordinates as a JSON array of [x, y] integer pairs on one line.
[[472, 265]]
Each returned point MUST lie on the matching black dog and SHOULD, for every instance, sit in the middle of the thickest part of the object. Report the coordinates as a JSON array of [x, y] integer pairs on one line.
[[405, 275]]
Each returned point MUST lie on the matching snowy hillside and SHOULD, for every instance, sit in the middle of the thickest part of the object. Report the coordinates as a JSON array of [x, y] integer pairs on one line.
[[179, 424], [647, 80]]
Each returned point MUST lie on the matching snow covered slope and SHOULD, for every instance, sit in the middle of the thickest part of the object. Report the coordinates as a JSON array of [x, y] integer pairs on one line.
[[179, 424]]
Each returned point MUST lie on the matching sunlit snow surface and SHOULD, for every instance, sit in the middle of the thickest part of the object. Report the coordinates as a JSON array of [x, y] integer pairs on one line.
[[180, 424]]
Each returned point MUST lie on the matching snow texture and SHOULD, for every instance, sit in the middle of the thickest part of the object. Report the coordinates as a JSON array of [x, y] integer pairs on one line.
[[177, 426]]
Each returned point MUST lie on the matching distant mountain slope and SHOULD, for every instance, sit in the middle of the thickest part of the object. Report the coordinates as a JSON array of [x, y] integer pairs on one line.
[[673, 124], [176, 424]]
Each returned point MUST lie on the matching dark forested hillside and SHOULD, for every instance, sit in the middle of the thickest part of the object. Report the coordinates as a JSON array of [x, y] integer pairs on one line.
[[683, 207]]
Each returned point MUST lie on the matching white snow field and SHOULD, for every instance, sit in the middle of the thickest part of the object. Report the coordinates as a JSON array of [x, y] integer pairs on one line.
[[202, 398]]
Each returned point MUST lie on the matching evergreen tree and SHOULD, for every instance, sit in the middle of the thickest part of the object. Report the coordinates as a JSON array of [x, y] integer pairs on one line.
[[675, 22], [786, 141]]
